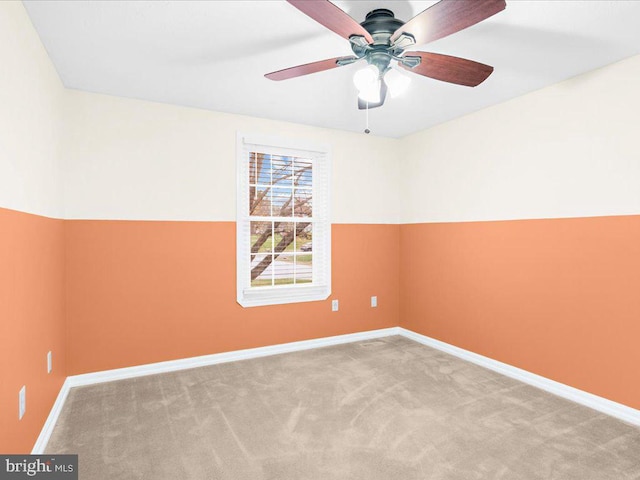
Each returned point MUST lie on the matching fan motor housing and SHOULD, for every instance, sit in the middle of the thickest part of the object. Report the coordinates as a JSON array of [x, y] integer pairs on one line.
[[381, 24]]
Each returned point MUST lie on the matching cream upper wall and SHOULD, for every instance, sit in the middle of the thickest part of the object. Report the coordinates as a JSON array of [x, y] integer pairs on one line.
[[568, 150], [30, 99], [132, 159]]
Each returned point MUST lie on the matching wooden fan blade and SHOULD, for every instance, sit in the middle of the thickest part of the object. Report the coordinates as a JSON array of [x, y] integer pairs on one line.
[[327, 14], [306, 69], [449, 69], [363, 104], [447, 17]]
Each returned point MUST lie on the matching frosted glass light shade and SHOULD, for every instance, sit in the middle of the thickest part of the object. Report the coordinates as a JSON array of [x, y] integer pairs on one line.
[[367, 81], [397, 82], [372, 93], [365, 78]]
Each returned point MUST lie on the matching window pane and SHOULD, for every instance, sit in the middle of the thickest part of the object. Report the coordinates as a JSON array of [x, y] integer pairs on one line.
[[302, 203], [259, 169], [283, 238], [261, 236], [261, 270], [283, 268], [281, 199], [281, 168], [304, 268], [303, 173], [303, 237], [259, 201]]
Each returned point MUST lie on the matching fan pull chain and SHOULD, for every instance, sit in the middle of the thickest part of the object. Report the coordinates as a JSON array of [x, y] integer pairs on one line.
[[366, 130]]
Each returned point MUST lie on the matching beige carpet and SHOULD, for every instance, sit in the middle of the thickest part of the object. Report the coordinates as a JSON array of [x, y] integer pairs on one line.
[[373, 410]]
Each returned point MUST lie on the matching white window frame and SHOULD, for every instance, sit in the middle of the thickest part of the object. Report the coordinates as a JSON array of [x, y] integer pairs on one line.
[[320, 287]]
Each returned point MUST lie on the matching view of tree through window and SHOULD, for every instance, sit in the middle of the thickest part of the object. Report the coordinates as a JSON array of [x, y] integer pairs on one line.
[[281, 219]]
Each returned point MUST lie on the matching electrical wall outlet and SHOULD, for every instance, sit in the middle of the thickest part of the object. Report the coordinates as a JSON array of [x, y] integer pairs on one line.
[[49, 364], [22, 402], [334, 305], [374, 301]]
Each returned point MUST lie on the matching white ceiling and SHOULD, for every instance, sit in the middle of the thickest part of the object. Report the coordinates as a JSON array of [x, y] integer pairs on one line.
[[213, 55]]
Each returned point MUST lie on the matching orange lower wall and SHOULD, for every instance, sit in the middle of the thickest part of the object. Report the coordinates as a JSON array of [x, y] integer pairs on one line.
[[560, 298], [555, 297], [31, 323], [142, 291]]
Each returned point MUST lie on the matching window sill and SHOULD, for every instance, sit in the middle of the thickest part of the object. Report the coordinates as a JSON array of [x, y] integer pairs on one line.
[[255, 297]]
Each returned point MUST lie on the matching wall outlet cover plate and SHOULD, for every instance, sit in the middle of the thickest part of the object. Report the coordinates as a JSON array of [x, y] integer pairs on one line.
[[22, 402]]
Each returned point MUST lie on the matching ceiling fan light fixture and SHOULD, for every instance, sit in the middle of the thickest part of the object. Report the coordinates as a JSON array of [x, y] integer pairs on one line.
[[397, 82], [367, 81], [382, 39], [366, 78], [371, 94]]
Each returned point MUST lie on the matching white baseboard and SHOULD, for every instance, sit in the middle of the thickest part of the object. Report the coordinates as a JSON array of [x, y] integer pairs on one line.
[[609, 407], [202, 361], [595, 402]]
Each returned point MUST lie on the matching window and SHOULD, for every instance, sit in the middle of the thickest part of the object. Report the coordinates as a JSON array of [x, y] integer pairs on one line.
[[283, 229]]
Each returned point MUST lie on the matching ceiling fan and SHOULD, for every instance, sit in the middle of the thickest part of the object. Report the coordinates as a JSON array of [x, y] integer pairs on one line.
[[382, 39]]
